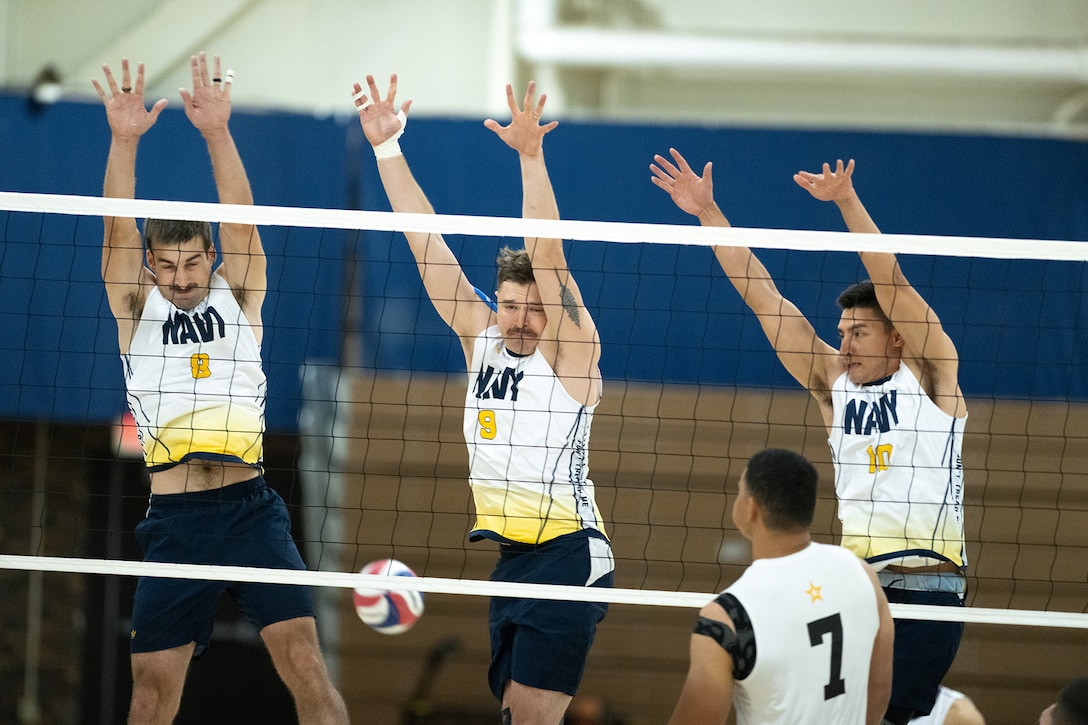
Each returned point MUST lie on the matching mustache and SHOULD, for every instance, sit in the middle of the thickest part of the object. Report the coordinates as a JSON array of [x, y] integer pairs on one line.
[[521, 331]]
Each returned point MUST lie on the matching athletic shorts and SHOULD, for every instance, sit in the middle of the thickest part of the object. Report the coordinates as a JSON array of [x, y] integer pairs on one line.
[[243, 524], [544, 643], [924, 650]]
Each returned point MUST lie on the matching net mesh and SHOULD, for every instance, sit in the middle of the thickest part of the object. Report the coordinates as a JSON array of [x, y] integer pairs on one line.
[[366, 390]]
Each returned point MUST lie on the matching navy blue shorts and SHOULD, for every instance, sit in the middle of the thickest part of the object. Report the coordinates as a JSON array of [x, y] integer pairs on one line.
[[243, 524], [544, 643], [924, 650]]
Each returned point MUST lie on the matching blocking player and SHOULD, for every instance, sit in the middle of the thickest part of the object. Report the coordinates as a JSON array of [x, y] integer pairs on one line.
[[189, 333], [533, 384], [890, 398]]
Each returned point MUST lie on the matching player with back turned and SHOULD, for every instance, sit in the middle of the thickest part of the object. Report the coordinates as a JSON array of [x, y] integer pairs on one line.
[[804, 636]]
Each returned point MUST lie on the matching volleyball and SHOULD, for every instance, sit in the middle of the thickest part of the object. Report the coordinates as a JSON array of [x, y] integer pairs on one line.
[[388, 612]]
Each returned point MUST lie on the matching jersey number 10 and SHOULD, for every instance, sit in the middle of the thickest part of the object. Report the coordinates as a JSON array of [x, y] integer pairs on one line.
[[880, 457]]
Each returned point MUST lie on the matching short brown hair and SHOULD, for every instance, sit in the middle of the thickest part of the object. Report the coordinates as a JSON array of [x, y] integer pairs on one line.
[[164, 232], [514, 266]]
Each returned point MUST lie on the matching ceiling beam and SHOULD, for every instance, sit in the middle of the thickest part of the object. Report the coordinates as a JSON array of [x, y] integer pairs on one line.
[[167, 37], [617, 49]]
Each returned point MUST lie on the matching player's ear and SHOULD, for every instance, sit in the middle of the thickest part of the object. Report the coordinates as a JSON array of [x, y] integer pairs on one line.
[[897, 340], [754, 510], [745, 511]]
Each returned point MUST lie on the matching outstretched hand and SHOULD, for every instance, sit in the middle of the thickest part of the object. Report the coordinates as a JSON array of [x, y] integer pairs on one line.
[[689, 191], [379, 117], [830, 185], [125, 111], [524, 134], [208, 105]]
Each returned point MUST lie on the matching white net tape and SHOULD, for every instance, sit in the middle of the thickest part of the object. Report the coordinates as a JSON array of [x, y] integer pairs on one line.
[[440, 585], [998, 248]]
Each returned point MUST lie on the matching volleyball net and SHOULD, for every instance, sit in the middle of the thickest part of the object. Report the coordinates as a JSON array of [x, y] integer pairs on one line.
[[367, 385]]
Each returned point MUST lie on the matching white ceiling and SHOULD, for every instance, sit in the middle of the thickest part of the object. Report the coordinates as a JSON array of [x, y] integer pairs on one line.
[[1018, 66]]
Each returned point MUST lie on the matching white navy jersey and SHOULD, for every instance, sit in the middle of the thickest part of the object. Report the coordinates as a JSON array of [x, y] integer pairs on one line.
[[814, 619], [528, 447], [898, 472], [195, 383]]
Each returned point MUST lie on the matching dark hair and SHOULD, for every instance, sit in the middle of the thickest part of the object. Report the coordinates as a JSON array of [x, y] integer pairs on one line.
[[1072, 705], [514, 266], [863, 295], [163, 232], [784, 483]]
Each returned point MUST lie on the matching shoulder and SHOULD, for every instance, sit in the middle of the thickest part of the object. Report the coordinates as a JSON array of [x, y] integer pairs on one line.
[[220, 290], [837, 382], [218, 280], [482, 343], [910, 372], [487, 336]]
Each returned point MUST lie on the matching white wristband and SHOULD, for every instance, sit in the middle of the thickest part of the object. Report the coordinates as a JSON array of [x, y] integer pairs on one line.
[[390, 147]]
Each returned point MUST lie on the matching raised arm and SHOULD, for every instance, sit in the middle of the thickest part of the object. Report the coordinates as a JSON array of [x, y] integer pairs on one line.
[[570, 340], [812, 362], [453, 297], [208, 107], [929, 351], [707, 696], [127, 279]]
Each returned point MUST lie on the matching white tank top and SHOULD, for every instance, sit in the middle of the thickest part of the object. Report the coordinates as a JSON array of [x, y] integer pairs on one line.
[[195, 383], [898, 472], [946, 698], [528, 448], [814, 615]]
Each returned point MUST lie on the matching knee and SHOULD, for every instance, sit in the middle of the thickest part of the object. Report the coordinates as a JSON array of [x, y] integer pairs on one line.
[[298, 658], [153, 702], [157, 681]]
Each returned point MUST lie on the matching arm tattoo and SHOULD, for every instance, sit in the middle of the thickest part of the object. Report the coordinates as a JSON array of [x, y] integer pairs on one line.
[[570, 305]]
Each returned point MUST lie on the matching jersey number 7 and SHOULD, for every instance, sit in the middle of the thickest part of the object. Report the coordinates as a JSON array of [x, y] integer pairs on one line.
[[816, 630]]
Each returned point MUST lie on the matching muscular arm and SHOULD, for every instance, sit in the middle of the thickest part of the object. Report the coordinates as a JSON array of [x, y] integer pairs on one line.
[[123, 271], [453, 297], [244, 265], [707, 695], [928, 350], [812, 362], [964, 712], [122, 251], [570, 340]]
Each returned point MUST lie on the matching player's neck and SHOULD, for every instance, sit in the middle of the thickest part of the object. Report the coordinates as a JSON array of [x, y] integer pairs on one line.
[[776, 545]]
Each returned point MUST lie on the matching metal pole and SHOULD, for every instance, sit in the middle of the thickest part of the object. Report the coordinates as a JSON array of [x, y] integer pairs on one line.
[[111, 594], [29, 706]]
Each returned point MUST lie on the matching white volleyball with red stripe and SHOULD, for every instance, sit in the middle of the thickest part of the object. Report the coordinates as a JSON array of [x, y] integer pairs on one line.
[[388, 612]]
